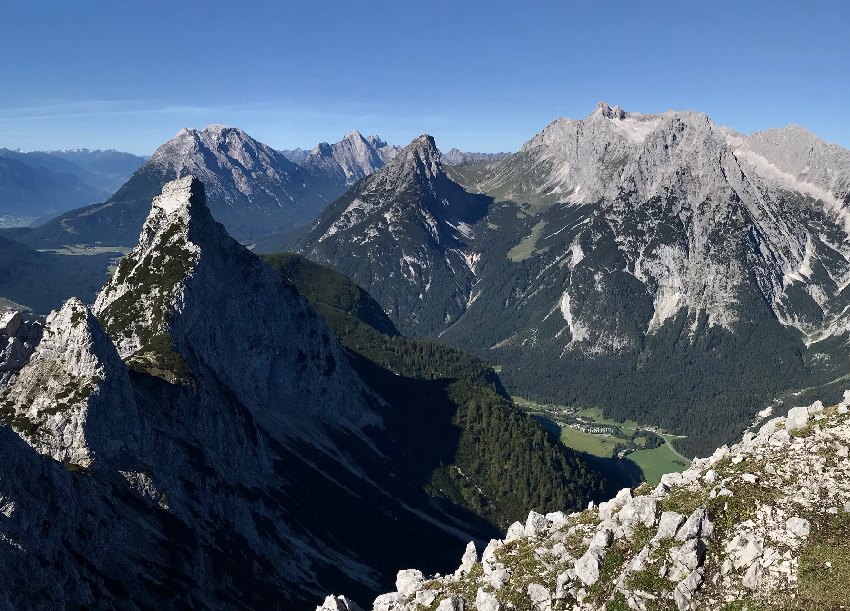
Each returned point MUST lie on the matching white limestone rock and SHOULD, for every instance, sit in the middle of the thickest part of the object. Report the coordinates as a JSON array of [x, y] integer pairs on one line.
[[798, 527], [338, 603], [73, 400], [797, 418], [486, 601], [470, 557], [408, 581]]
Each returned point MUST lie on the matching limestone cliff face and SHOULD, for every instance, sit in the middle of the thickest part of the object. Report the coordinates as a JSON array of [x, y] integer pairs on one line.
[[402, 232], [19, 335], [761, 524], [73, 400], [352, 158]]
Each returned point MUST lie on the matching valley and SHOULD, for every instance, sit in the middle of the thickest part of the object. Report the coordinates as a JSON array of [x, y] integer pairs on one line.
[[587, 430]]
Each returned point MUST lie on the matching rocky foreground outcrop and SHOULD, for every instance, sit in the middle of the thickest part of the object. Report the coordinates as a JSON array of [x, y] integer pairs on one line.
[[762, 524]]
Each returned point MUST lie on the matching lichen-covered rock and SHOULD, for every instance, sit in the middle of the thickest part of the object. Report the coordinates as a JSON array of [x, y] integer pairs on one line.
[[73, 400], [740, 534]]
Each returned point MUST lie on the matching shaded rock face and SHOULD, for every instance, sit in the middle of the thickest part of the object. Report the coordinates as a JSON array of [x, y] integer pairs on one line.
[[206, 424], [240, 334], [19, 334], [750, 524], [402, 232]]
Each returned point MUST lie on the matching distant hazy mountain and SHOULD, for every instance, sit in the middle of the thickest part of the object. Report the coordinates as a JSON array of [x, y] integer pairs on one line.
[[110, 168], [296, 155], [252, 189], [457, 157], [352, 158], [30, 190], [42, 183]]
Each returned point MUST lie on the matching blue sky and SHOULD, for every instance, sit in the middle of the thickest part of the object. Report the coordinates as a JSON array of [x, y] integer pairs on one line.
[[128, 74]]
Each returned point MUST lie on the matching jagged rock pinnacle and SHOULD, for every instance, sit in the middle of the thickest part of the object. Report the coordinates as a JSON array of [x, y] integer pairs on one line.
[[73, 400]]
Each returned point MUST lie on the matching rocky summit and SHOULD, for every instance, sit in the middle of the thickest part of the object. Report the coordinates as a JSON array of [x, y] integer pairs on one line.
[[759, 525], [403, 233]]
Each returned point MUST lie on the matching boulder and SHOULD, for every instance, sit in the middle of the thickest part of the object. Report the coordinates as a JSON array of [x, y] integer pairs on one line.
[[426, 597], [515, 531], [453, 603], [541, 600], [685, 590], [499, 577], [338, 603], [694, 526], [486, 601], [639, 510], [470, 557], [391, 601], [587, 567], [668, 525], [557, 519], [602, 539], [407, 581], [797, 418], [608, 508], [536, 524]]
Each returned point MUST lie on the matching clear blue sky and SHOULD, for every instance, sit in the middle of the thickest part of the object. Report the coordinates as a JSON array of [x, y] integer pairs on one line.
[[128, 74]]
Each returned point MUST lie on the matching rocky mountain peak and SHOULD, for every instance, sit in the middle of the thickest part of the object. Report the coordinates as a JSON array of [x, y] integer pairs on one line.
[[355, 136], [350, 159], [420, 158], [73, 401], [165, 309], [604, 110], [794, 159]]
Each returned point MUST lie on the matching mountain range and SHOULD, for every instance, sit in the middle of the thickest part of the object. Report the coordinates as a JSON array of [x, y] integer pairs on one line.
[[215, 428], [256, 191], [40, 183], [458, 157], [205, 420], [616, 260]]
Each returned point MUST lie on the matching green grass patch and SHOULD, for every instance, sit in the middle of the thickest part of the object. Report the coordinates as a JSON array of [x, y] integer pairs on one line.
[[656, 462], [595, 414], [598, 445], [527, 245], [825, 564]]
